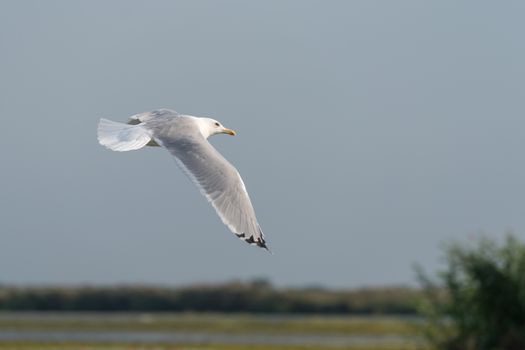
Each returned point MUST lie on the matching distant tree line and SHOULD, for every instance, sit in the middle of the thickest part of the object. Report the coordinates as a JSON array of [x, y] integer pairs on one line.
[[257, 296]]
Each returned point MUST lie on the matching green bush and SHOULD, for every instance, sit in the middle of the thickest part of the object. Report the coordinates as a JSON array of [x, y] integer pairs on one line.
[[478, 301]]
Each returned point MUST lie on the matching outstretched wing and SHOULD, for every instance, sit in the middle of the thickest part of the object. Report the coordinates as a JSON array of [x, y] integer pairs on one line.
[[146, 116], [220, 183]]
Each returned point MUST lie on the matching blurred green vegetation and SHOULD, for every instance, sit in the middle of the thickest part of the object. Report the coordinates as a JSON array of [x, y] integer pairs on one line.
[[102, 346], [360, 332], [257, 296], [478, 301], [211, 323]]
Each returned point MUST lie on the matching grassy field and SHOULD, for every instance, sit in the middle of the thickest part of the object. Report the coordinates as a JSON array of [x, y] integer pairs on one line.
[[101, 346], [210, 323], [275, 332]]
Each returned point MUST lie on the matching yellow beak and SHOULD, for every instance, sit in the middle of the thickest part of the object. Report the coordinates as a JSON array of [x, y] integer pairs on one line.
[[229, 132]]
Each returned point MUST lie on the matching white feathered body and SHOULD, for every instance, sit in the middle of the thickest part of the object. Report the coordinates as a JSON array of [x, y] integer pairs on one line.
[[185, 137]]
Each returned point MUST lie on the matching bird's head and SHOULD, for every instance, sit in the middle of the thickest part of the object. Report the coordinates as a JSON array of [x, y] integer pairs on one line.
[[210, 127]]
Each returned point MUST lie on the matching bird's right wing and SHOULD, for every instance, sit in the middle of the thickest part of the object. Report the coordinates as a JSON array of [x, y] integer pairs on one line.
[[144, 117]]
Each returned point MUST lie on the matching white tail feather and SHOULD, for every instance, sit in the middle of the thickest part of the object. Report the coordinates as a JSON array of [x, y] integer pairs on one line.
[[122, 137]]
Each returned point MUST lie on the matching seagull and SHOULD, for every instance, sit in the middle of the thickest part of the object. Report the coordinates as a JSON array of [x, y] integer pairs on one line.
[[186, 138]]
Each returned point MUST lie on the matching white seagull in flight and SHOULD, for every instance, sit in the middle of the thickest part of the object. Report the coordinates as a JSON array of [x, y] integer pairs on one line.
[[185, 137]]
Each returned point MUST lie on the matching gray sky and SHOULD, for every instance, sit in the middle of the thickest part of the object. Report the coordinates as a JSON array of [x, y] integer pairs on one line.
[[369, 133]]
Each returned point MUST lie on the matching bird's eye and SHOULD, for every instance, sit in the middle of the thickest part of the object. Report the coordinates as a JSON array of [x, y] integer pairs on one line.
[[217, 124]]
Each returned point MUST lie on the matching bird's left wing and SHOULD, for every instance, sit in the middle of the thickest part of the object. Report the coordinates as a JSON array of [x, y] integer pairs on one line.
[[220, 183]]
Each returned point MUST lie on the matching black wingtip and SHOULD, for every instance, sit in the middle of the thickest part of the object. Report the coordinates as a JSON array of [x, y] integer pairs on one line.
[[260, 242]]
